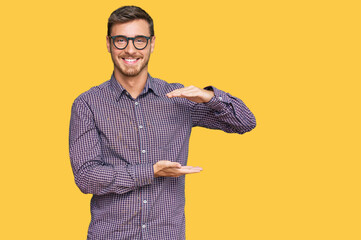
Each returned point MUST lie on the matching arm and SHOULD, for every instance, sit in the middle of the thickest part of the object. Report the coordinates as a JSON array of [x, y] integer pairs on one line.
[[215, 109], [92, 174]]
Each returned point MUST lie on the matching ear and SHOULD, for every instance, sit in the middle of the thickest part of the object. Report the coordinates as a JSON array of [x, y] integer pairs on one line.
[[108, 43], [152, 44]]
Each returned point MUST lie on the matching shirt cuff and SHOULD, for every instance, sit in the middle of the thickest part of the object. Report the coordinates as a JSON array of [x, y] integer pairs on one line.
[[143, 174], [219, 101]]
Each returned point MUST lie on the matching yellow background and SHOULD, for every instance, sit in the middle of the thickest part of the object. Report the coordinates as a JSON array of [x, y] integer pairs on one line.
[[296, 64]]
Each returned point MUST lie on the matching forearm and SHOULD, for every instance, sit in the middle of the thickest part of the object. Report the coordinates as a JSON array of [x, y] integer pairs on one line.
[[96, 177], [224, 112]]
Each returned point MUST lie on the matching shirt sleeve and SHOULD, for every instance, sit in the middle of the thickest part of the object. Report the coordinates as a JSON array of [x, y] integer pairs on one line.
[[92, 174], [224, 112]]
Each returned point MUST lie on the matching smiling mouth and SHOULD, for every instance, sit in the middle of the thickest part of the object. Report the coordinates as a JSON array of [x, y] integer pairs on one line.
[[130, 60]]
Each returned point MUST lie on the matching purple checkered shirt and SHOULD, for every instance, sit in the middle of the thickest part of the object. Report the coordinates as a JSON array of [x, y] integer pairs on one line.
[[114, 142]]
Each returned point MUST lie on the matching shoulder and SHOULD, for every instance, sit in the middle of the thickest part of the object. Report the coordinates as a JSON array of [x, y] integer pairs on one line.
[[94, 93]]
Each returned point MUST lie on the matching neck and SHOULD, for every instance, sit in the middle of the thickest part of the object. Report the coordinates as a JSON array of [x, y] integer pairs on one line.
[[133, 84]]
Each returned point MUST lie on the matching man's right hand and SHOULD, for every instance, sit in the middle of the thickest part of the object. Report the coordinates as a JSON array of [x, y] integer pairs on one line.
[[173, 169]]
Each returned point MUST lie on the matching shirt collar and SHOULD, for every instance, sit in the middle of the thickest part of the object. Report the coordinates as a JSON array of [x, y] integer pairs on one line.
[[119, 89], [151, 84]]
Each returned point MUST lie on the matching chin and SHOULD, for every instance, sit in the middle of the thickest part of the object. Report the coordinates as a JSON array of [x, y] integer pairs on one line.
[[130, 72]]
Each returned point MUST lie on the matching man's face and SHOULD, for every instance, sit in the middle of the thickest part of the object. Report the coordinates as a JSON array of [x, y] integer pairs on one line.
[[130, 62]]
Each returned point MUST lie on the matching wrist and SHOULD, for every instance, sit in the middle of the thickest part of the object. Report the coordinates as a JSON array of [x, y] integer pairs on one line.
[[155, 170], [209, 95]]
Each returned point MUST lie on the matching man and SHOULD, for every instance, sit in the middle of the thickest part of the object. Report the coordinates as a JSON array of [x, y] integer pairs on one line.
[[129, 137]]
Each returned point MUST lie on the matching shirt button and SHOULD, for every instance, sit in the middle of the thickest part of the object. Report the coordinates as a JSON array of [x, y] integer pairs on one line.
[[140, 126], [220, 98], [144, 226], [143, 151], [136, 103], [145, 201]]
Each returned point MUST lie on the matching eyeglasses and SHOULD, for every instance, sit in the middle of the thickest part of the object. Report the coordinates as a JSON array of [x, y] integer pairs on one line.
[[121, 42]]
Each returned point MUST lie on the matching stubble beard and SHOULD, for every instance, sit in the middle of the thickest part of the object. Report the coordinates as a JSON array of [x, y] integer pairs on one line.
[[132, 71]]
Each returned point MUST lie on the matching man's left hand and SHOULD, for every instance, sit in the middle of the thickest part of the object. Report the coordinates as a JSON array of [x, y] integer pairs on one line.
[[192, 93]]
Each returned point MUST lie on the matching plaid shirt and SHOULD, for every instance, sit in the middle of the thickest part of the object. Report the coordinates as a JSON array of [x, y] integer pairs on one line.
[[114, 142]]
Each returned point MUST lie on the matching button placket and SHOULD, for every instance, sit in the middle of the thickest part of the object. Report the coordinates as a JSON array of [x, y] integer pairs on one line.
[[143, 147]]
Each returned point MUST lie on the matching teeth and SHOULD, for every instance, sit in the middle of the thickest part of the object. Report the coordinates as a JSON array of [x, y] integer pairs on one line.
[[130, 60]]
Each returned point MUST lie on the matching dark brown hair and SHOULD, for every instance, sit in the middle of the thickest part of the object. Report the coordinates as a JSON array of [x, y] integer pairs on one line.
[[129, 13]]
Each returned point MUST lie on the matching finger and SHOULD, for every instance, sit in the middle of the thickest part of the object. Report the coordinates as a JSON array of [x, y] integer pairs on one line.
[[182, 89], [188, 95], [189, 170], [190, 167], [174, 94], [182, 170], [167, 164], [186, 167], [173, 172], [178, 91], [186, 90], [194, 92], [173, 165]]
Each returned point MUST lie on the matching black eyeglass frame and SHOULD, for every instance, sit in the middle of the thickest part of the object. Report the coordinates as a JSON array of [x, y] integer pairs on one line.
[[130, 38]]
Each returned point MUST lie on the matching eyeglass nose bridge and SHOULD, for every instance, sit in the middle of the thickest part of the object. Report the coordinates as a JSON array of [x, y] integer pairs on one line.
[[133, 39]]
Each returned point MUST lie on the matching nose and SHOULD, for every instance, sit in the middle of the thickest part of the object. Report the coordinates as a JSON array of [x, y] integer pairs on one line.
[[130, 49]]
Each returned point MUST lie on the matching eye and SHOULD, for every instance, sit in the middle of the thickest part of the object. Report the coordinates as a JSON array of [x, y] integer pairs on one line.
[[120, 40], [141, 40]]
